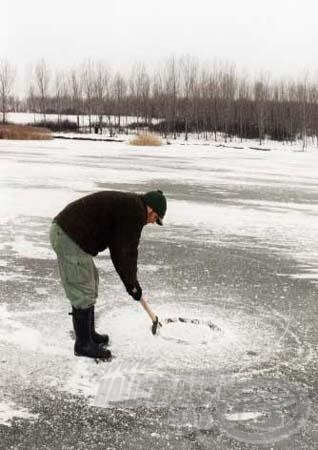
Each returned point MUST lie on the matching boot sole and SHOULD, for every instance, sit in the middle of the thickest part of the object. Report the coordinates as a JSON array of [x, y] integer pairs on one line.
[[104, 358]]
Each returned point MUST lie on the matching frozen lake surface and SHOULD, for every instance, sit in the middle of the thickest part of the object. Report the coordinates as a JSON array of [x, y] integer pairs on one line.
[[237, 261]]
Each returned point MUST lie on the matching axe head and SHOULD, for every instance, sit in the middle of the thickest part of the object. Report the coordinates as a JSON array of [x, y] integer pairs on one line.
[[156, 325]]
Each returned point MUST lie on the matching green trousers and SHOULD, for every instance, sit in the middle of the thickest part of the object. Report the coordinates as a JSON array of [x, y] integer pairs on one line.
[[77, 270]]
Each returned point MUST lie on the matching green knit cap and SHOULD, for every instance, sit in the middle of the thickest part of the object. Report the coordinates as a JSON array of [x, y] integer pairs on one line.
[[157, 201]]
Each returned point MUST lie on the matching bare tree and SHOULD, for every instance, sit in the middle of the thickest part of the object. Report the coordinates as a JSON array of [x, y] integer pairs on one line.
[[291, 100], [101, 92], [119, 91], [203, 97], [172, 87], [75, 88], [7, 76], [313, 111], [189, 73], [32, 101], [214, 100], [87, 80], [228, 87], [261, 96], [139, 90], [61, 94], [200, 104], [42, 79], [302, 98], [158, 97], [144, 89], [243, 102]]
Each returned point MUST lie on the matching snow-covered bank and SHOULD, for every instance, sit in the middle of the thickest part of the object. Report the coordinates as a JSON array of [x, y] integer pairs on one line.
[[193, 140]]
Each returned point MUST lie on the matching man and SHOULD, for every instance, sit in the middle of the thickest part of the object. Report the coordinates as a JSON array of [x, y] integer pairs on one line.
[[87, 226]]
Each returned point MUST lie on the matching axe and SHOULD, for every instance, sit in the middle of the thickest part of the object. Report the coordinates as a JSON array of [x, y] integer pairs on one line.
[[155, 321]]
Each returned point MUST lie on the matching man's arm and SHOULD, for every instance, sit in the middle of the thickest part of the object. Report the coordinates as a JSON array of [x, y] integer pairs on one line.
[[124, 255]]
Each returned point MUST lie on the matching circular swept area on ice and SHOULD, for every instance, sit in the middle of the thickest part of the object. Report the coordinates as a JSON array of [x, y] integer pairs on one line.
[[188, 331]]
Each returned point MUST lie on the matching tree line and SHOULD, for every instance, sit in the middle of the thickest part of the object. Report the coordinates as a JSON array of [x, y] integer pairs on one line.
[[181, 96]]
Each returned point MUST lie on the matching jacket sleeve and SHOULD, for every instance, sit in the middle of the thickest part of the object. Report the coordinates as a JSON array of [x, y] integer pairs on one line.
[[124, 253]]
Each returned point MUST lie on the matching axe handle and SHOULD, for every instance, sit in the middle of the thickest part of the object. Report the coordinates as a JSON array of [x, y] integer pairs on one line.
[[148, 310]]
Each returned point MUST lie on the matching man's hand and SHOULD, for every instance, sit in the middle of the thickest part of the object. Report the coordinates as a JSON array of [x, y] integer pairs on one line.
[[135, 291]]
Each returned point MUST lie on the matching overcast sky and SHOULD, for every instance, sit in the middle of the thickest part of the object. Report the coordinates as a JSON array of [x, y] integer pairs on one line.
[[279, 36]]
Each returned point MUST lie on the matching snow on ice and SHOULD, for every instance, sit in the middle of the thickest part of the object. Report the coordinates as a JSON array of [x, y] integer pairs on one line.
[[240, 234]]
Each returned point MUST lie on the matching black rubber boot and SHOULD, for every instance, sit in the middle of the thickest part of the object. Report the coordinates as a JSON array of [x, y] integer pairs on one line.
[[84, 345], [96, 337]]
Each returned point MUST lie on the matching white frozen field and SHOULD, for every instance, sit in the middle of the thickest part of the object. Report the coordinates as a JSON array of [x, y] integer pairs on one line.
[[243, 201], [38, 179]]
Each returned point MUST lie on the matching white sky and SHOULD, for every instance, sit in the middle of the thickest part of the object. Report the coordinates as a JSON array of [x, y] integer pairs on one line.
[[278, 36]]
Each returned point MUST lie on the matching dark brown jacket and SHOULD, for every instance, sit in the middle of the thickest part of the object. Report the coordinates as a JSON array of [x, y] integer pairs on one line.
[[108, 219]]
